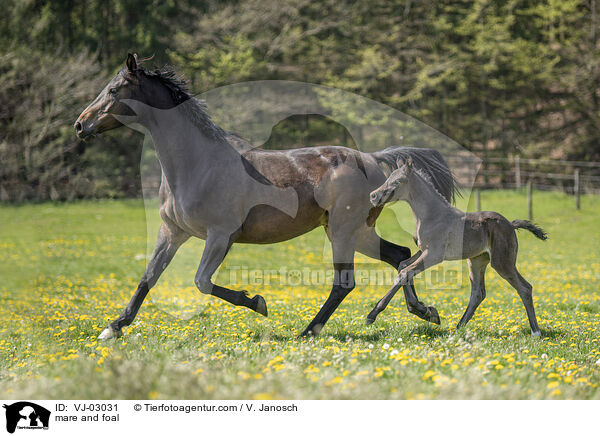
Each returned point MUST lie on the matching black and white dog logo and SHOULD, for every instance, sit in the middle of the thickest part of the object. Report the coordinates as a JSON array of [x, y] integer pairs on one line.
[[26, 415]]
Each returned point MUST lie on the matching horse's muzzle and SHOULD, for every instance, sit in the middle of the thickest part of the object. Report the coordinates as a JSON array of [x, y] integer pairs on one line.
[[83, 129]]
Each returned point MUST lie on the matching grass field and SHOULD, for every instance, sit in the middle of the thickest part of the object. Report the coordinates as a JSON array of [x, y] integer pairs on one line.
[[67, 269]]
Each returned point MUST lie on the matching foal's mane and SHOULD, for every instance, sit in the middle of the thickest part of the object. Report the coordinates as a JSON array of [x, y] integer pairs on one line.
[[427, 179], [430, 164], [195, 108]]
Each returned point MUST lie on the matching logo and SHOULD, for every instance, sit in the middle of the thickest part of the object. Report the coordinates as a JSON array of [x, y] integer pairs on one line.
[[26, 415]]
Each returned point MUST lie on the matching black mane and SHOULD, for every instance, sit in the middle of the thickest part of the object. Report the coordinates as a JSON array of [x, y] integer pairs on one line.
[[178, 90]]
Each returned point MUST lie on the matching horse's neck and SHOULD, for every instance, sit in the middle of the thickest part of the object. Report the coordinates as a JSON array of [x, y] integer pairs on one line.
[[424, 200], [182, 148]]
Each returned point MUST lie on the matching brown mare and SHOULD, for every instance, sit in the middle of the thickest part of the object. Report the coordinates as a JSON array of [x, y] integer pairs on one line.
[[211, 191]]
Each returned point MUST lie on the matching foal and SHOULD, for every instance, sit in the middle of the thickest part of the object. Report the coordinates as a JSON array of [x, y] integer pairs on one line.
[[446, 233]]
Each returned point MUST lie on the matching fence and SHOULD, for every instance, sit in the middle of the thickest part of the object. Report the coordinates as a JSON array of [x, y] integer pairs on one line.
[[572, 177]]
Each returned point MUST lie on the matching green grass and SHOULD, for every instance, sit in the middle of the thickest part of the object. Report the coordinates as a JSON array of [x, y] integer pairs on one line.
[[67, 269]]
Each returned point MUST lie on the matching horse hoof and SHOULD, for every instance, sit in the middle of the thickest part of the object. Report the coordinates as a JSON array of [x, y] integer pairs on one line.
[[369, 321], [312, 331], [261, 305], [433, 316], [537, 334], [110, 333]]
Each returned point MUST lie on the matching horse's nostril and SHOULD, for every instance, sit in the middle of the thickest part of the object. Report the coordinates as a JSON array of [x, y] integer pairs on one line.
[[78, 127]]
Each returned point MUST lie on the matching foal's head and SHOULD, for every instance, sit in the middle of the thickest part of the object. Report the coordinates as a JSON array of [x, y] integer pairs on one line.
[[158, 89], [395, 187]]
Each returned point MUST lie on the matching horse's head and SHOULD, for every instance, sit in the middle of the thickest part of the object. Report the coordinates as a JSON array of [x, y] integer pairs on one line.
[[395, 187], [132, 83]]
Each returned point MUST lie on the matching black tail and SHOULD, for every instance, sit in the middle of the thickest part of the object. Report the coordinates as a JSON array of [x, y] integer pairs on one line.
[[426, 159], [528, 225]]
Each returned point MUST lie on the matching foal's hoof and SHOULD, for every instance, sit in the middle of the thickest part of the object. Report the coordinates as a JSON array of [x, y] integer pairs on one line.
[[432, 315], [110, 333], [261, 305], [537, 334], [369, 321]]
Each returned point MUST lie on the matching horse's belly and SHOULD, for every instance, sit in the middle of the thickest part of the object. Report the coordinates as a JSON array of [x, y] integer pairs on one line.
[[266, 225]]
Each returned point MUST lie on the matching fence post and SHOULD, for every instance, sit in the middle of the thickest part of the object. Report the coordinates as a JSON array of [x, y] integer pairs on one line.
[[530, 199], [518, 172], [477, 200], [577, 189]]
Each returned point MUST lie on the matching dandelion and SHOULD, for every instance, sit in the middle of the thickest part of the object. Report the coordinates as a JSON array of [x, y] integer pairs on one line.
[[428, 375]]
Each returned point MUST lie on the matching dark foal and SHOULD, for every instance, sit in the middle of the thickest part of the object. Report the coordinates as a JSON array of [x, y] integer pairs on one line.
[[445, 233]]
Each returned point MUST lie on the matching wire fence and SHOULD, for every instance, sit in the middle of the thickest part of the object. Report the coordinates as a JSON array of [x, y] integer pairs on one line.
[[571, 177]]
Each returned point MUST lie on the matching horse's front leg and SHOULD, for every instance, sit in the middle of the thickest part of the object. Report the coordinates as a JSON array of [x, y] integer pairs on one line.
[[343, 282], [216, 248], [168, 241], [420, 262]]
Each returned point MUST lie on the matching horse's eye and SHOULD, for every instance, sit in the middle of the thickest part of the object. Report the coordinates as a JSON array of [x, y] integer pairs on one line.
[[113, 90]]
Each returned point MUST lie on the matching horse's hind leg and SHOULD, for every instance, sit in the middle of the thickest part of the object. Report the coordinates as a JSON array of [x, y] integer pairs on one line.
[[216, 248], [370, 244], [524, 289], [168, 241], [477, 266], [503, 261]]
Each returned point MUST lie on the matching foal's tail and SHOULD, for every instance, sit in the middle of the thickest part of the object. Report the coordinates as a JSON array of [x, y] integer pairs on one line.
[[528, 225]]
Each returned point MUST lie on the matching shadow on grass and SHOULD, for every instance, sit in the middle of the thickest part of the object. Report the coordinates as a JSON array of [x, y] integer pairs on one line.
[[523, 332], [424, 331], [548, 333], [340, 337], [368, 337], [431, 331]]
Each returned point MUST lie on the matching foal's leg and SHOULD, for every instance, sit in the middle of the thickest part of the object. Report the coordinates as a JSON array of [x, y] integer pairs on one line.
[[524, 289], [370, 244], [216, 248], [477, 266], [410, 302], [168, 241], [503, 260], [420, 262]]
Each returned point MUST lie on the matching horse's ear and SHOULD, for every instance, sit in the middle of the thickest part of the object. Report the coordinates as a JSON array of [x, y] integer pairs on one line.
[[131, 62], [408, 162]]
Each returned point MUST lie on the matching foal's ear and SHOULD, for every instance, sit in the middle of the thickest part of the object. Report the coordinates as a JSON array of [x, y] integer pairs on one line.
[[408, 162], [131, 62]]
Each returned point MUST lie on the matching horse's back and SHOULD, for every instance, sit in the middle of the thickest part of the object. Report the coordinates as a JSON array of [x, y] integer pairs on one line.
[[311, 172]]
